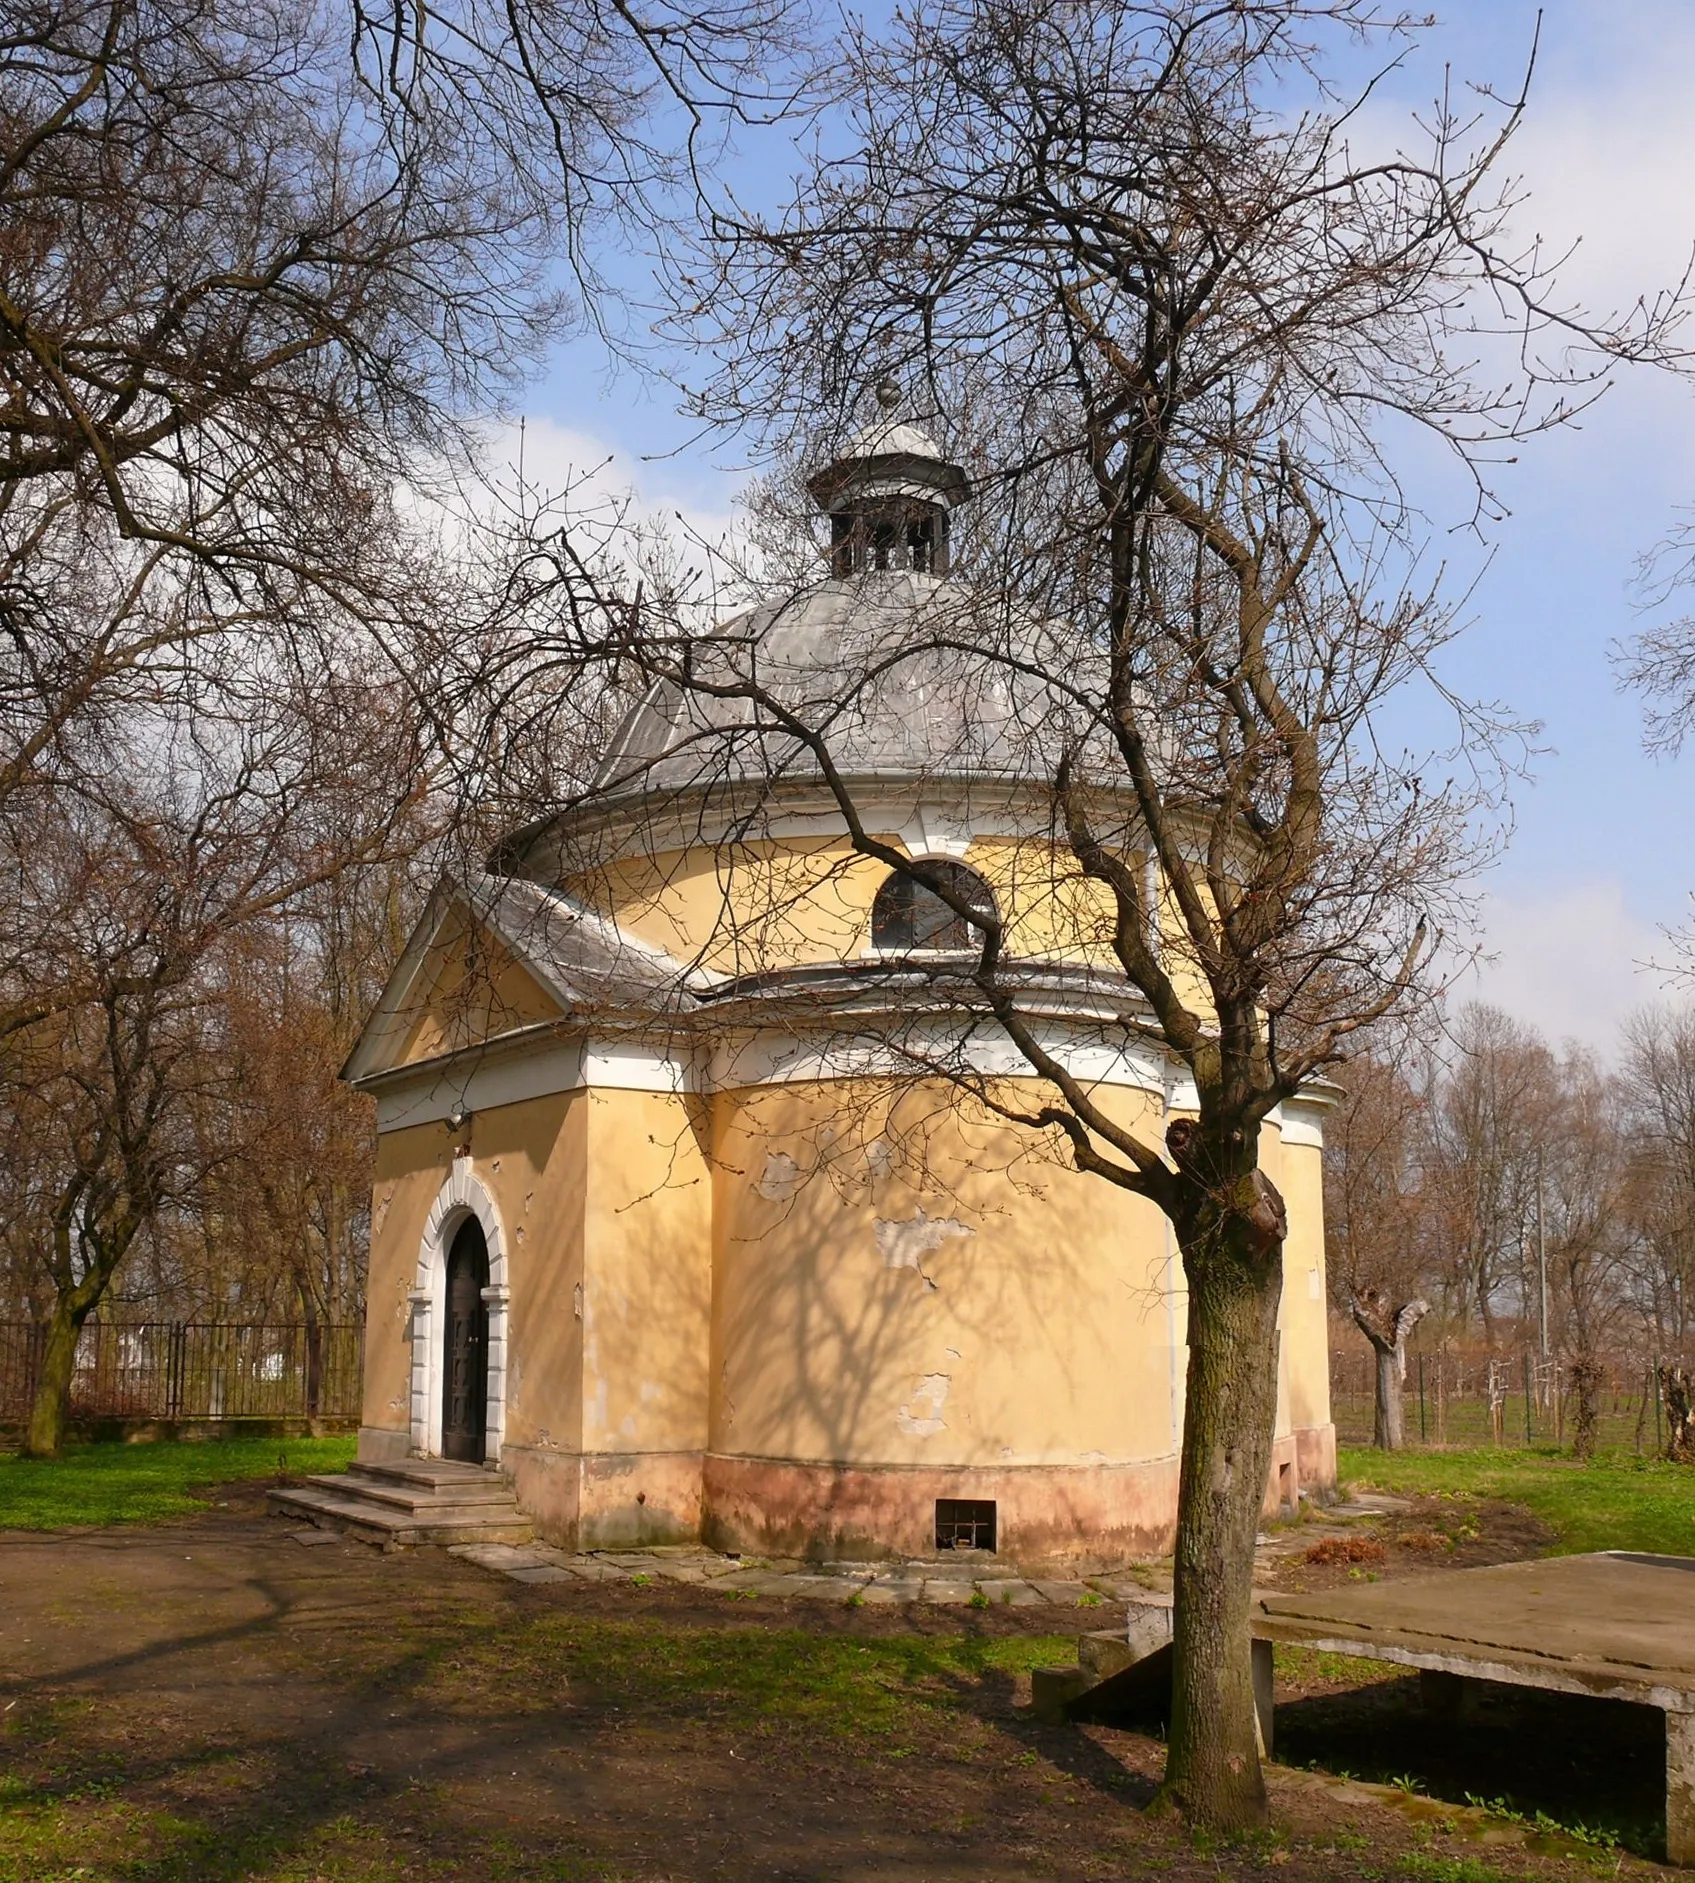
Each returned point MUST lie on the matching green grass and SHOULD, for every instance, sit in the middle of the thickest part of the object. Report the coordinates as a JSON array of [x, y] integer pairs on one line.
[[1616, 1502], [751, 1679], [107, 1484]]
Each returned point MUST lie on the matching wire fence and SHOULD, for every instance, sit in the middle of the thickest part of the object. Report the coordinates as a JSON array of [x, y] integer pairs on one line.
[[1512, 1398], [192, 1370]]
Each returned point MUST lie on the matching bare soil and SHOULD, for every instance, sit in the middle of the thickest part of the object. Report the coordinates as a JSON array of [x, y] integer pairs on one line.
[[216, 1701]]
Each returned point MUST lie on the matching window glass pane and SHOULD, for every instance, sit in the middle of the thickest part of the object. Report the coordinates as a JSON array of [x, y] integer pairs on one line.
[[907, 914]]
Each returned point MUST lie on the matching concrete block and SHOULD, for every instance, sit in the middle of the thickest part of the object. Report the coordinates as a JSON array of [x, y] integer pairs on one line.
[[1103, 1654], [1053, 1689]]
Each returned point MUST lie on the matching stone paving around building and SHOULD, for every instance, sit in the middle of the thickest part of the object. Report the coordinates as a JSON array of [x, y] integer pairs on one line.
[[970, 1578], [980, 1584]]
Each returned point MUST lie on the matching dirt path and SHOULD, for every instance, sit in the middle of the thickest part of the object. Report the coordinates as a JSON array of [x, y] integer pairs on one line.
[[217, 1701]]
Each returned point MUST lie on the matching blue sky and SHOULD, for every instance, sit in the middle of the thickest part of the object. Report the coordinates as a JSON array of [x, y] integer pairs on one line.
[[1602, 856]]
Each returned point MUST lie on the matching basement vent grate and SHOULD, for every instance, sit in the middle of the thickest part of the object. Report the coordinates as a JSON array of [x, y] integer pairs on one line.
[[965, 1523]]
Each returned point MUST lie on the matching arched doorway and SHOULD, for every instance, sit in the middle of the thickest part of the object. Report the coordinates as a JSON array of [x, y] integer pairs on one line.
[[464, 1367]]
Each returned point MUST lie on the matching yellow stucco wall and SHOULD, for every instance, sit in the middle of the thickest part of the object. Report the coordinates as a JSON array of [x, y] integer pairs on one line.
[[604, 1201], [752, 907], [529, 1159], [647, 1274], [777, 902], [995, 1308]]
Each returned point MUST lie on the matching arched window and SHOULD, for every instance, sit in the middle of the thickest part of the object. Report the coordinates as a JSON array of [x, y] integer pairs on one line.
[[906, 914]]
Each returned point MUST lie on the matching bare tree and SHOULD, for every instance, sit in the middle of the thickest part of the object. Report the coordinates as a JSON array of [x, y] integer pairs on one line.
[[1580, 1187], [1657, 1082], [169, 864], [1175, 325], [1487, 1138], [1376, 1220]]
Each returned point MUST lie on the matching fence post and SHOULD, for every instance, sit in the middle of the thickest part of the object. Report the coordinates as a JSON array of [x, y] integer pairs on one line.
[[174, 1356], [1654, 1388], [1423, 1432], [1529, 1436]]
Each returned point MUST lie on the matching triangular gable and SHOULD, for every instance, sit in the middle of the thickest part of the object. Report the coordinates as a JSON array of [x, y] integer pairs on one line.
[[492, 955]]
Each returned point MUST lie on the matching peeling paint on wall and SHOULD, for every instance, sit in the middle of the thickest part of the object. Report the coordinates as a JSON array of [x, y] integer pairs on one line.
[[930, 1395], [577, 1301], [780, 1178], [904, 1242]]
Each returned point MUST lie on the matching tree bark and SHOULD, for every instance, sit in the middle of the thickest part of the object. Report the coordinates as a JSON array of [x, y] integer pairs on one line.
[[51, 1407], [1213, 1768], [1388, 1428], [1586, 1377]]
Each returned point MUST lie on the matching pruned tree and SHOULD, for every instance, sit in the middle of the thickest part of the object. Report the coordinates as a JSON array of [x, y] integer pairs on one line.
[[1377, 1220], [1175, 323]]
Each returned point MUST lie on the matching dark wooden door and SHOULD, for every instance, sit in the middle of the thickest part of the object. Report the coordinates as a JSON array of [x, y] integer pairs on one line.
[[464, 1386]]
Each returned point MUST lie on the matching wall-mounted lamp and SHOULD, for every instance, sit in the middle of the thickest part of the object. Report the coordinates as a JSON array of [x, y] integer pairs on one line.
[[459, 1117]]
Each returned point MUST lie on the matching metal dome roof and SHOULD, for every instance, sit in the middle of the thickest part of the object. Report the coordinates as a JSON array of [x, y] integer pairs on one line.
[[906, 677]]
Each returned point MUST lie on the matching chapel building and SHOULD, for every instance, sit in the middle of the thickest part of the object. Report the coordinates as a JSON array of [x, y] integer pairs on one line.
[[680, 1220]]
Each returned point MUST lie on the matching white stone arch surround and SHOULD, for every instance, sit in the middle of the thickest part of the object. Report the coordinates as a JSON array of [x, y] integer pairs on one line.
[[462, 1195]]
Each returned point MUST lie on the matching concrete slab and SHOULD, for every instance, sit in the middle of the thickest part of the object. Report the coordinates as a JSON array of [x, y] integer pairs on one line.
[[541, 1572], [886, 1594], [1614, 1624], [1063, 1594], [821, 1588], [1012, 1593], [508, 1556], [1617, 1625]]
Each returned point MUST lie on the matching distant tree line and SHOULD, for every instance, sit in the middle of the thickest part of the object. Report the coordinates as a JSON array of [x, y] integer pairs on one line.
[[264, 272], [1517, 1192]]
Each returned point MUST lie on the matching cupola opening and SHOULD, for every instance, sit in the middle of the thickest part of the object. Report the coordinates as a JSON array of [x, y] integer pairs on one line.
[[888, 497], [904, 536]]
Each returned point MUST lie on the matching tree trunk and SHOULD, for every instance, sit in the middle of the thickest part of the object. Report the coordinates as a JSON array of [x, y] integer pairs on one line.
[[1586, 1377], [1387, 1435], [314, 1341], [51, 1407], [1680, 1414], [1213, 1769]]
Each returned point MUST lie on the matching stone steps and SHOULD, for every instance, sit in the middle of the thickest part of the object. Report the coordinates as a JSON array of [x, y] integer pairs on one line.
[[421, 1500]]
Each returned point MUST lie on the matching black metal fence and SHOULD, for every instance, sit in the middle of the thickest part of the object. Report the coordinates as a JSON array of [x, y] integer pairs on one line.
[[1512, 1398], [193, 1370]]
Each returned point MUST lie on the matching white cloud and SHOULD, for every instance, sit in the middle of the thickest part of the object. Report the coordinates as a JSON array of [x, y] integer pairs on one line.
[[557, 460], [1568, 959]]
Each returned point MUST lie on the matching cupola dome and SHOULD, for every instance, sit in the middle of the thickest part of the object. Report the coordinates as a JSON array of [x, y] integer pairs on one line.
[[888, 496]]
